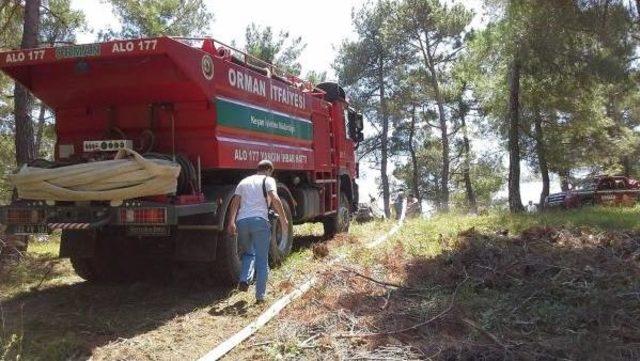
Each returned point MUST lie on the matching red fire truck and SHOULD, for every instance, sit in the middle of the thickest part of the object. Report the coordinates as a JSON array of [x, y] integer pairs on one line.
[[212, 109]]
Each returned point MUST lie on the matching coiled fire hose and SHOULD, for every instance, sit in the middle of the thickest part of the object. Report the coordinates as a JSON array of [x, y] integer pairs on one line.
[[111, 180]]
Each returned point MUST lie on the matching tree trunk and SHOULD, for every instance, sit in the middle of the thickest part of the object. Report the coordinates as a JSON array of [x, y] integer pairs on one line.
[[40, 130], [444, 178], [22, 98], [466, 171], [414, 160], [626, 165], [386, 198], [564, 174], [542, 158], [442, 119], [515, 201]]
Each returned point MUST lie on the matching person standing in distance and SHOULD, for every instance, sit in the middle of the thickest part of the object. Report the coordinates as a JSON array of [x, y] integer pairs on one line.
[[249, 220]]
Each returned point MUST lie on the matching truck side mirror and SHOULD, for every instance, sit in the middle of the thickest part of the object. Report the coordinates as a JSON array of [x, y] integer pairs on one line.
[[352, 124], [356, 125], [359, 128]]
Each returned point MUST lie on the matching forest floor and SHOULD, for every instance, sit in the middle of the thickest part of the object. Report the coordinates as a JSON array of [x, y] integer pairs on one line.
[[558, 285]]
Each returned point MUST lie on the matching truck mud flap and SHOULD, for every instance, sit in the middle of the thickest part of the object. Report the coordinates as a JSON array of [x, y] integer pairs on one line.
[[81, 243], [195, 245]]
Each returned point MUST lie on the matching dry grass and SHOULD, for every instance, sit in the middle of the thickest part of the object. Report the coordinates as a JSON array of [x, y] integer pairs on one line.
[[50, 314], [457, 288], [561, 286]]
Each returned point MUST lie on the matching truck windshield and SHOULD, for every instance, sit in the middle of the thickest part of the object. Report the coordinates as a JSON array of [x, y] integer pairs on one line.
[[586, 185]]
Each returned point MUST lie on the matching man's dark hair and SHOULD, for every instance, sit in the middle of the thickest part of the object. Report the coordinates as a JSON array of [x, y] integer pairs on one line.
[[265, 166]]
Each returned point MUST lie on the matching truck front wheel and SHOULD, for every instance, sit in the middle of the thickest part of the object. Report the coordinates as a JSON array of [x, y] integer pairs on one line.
[[339, 222]]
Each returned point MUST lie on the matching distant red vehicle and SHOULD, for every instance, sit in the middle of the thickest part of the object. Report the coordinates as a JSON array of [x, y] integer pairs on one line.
[[602, 190]]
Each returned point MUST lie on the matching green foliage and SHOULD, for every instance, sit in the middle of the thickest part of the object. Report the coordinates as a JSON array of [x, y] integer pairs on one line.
[[430, 23], [577, 66], [60, 23], [429, 156], [362, 63], [316, 77], [11, 14], [488, 176], [422, 232], [279, 49], [7, 166], [148, 18]]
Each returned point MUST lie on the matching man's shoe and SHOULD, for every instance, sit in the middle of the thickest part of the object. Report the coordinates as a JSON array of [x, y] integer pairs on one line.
[[259, 301], [243, 286]]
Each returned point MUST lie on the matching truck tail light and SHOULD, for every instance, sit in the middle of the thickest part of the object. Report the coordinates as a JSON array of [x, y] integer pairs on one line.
[[143, 216], [25, 216]]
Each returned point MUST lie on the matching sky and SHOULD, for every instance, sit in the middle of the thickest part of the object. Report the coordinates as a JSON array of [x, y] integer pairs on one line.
[[323, 25]]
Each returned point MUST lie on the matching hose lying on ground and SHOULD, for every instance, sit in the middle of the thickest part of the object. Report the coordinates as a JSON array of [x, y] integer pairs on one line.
[[111, 180]]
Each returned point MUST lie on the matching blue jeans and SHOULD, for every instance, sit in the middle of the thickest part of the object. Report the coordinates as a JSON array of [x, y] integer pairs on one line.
[[254, 238]]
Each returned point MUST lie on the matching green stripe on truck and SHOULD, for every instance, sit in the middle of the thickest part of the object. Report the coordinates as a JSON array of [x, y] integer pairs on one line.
[[235, 115]]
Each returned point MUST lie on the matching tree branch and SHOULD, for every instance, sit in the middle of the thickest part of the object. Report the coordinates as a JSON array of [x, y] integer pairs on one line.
[[414, 327]]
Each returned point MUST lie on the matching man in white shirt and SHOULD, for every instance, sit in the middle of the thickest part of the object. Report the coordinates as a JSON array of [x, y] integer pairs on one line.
[[249, 219]]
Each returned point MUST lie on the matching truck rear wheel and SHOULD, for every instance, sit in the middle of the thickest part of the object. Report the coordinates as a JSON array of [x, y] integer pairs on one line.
[[84, 268], [228, 263], [281, 240], [103, 264], [97, 269], [339, 222]]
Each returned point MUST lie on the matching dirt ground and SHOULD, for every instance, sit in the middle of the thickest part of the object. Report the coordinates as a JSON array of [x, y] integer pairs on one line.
[[545, 294], [438, 290], [55, 315]]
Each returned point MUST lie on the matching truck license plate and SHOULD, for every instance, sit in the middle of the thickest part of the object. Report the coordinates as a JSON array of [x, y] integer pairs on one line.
[[27, 229], [608, 197], [148, 231]]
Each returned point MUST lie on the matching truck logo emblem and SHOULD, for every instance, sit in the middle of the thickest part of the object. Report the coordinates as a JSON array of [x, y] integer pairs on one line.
[[207, 67]]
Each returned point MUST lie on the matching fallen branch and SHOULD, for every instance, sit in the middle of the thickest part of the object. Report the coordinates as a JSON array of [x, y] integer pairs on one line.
[[259, 344], [517, 307], [45, 275], [486, 333], [410, 328], [383, 283], [305, 343], [386, 301]]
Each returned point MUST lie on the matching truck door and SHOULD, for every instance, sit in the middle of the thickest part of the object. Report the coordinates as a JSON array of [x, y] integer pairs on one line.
[[627, 194], [344, 142]]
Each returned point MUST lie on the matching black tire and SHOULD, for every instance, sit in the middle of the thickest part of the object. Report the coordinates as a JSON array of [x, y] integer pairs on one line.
[[105, 265], [339, 222], [281, 243], [97, 269], [228, 263], [84, 268]]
